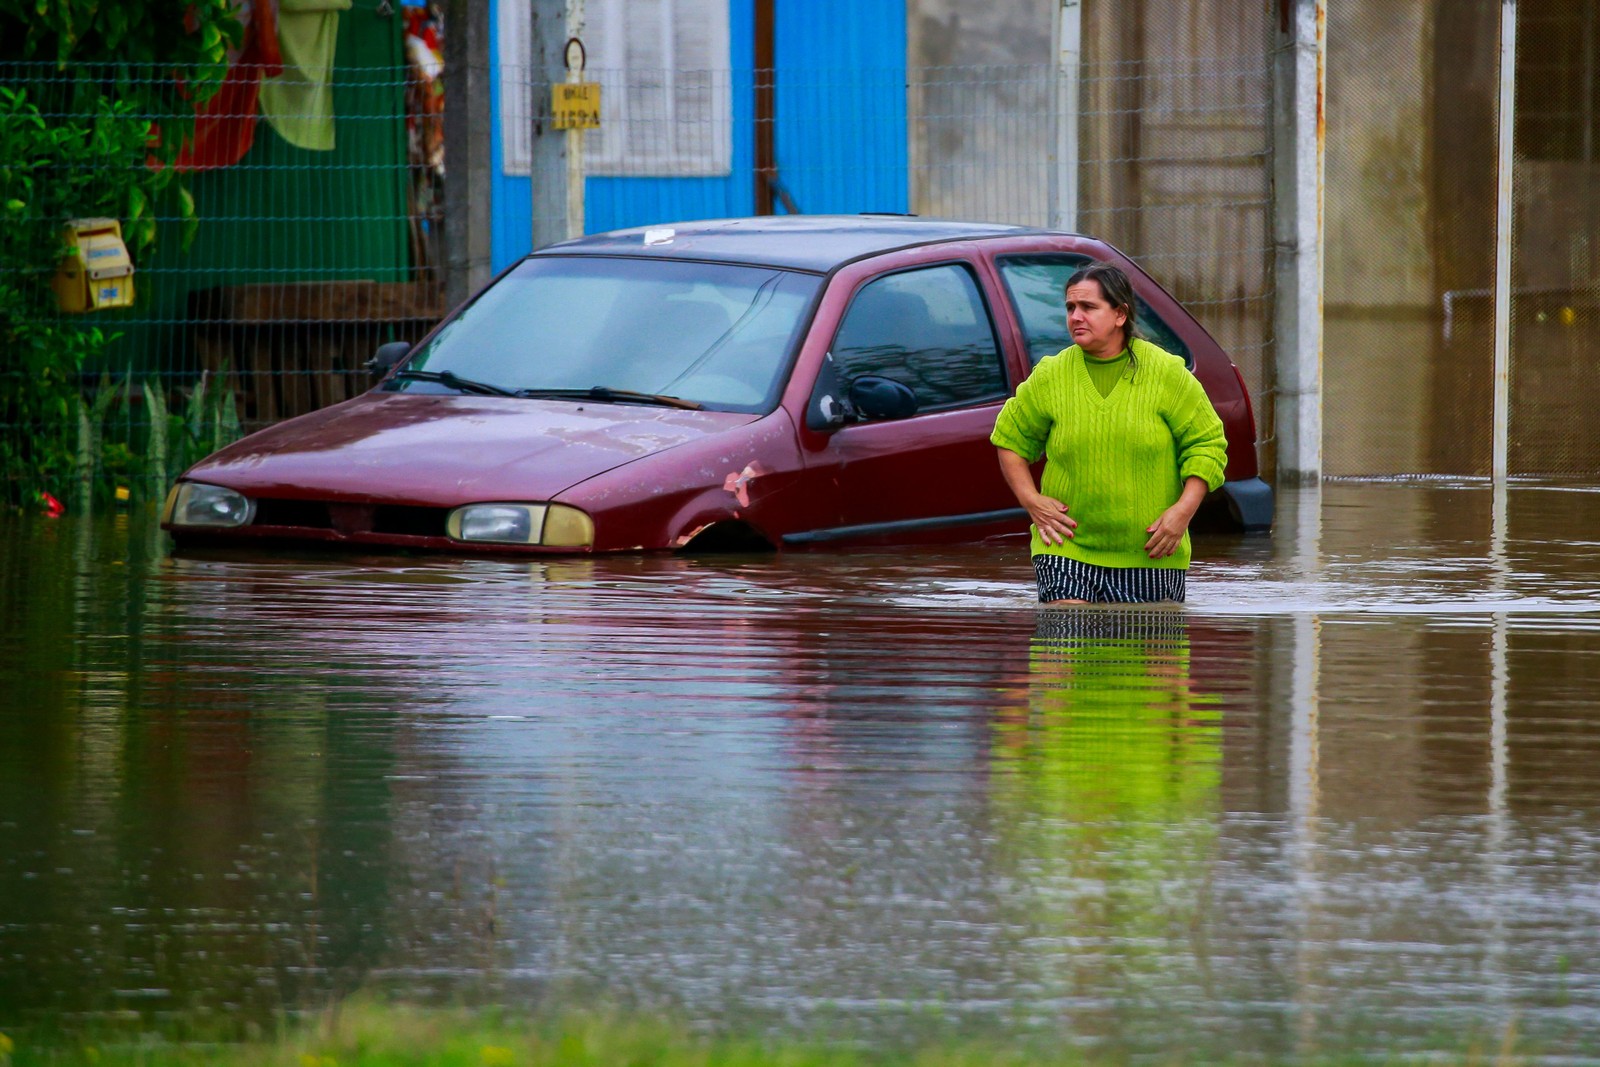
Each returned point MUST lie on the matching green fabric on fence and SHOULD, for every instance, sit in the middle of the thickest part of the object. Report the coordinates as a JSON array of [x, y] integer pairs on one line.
[[299, 104], [285, 214]]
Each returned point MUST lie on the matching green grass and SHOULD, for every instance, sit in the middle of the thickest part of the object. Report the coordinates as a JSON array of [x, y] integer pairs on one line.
[[366, 1034]]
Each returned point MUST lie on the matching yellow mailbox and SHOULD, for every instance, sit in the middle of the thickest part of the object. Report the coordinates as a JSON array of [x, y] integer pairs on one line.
[[97, 272]]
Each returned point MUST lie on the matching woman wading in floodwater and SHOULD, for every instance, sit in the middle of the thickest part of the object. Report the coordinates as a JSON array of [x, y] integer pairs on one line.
[[1131, 446]]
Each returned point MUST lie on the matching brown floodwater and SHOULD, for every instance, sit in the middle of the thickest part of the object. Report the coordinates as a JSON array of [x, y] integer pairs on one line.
[[1347, 800]]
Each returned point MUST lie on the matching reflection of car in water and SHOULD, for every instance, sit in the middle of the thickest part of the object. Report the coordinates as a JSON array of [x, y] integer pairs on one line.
[[744, 383]]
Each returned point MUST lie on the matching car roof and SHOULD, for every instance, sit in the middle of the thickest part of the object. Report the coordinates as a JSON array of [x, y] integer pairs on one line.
[[802, 242]]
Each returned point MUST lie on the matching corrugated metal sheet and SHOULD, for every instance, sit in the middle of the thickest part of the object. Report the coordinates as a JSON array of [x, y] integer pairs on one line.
[[841, 109]]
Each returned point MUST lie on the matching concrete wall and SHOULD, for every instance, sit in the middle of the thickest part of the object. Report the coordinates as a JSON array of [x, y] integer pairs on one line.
[[978, 101], [1172, 139], [1380, 297], [1410, 200], [1176, 166]]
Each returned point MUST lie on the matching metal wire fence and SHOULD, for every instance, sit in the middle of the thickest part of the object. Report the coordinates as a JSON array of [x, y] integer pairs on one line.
[[307, 228], [1555, 278], [1411, 208], [315, 234], [1172, 166], [268, 258]]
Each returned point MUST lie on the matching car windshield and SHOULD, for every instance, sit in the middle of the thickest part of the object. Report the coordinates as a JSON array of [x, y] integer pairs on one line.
[[718, 335]]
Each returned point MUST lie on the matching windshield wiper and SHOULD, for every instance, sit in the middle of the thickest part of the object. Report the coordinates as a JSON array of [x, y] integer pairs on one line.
[[455, 381], [603, 393], [608, 395]]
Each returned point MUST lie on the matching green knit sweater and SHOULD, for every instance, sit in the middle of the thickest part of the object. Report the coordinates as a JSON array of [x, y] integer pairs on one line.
[[1116, 461]]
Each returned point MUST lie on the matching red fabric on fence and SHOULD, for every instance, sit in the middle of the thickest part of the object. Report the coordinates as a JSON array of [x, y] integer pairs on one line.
[[225, 125]]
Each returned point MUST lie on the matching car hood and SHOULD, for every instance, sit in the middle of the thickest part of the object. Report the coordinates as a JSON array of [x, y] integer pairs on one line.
[[449, 450]]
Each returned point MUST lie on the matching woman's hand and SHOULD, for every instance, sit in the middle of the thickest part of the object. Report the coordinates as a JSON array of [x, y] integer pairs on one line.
[[1166, 533], [1050, 516]]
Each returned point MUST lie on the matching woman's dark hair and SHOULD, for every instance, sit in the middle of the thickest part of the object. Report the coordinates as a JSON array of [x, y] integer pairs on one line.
[[1118, 291]]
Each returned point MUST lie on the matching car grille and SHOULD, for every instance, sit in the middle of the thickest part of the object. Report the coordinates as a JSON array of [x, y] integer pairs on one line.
[[396, 520], [409, 521], [308, 514]]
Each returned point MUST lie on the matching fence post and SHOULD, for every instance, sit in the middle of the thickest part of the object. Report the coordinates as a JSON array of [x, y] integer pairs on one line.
[[547, 41], [575, 172], [1502, 242], [1069, 54], [1298, 86], [766, 91], [467, 135]]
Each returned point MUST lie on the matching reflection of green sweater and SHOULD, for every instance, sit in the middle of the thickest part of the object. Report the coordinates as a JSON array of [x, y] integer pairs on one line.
[[1117, 461]]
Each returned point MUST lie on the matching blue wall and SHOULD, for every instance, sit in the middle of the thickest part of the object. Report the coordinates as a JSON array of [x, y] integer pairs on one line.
[[841, 128]]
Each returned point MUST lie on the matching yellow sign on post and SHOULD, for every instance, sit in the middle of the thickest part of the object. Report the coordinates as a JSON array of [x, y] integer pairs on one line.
[[576, 105]]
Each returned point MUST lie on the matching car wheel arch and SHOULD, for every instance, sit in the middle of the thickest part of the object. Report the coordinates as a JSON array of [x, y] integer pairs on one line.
[[712, 517], [723, 535]]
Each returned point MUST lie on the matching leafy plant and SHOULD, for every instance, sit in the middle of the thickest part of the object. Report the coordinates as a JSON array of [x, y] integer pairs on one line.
[[129, 438], [210, 420], [96, 101]]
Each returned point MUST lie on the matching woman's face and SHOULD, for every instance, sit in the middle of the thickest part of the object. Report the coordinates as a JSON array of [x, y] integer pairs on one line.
[[1095, 325]]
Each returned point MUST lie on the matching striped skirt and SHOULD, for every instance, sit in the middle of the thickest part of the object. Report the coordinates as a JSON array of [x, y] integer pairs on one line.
[[1061, 578]]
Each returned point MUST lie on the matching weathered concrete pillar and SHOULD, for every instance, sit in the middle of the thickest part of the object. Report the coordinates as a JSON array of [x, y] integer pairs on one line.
[[1299, 84], [1068, 40], [467, 189], [547, 67]]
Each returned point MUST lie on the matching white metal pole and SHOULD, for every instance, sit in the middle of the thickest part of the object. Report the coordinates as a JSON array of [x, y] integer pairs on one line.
[[575, 201], [575, 182], [1298, 94], [1069, 45], [1502, 243]]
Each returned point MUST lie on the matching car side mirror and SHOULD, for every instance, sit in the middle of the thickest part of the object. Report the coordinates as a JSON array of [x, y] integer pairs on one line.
[[878, 397], [828, 412], [384, 359], [828, 409]]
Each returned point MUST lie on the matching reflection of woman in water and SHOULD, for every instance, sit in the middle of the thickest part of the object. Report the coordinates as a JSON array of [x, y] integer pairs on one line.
[[1106, 787], [1114, 726], [1131, 446]]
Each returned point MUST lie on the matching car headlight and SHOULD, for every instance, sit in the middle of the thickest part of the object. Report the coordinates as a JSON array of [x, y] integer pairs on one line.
[[552, 525], [199, 504]]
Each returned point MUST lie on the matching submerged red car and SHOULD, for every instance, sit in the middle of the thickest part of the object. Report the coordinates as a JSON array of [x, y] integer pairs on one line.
[[743, 383]]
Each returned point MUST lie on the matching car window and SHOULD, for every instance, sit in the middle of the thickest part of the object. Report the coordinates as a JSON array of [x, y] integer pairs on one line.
[[716, 333], [927, 329], [1038, 290]]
